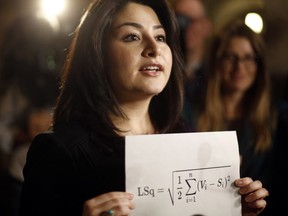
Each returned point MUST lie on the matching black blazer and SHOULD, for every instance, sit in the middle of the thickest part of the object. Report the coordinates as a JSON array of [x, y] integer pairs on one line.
[[68, 166]]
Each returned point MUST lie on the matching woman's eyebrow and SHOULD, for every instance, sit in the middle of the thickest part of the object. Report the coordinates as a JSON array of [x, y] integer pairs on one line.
[[137, 25]]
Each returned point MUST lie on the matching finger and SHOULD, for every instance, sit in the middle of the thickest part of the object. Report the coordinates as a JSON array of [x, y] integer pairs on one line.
[[258, 194], [113, 208], [109, 196], [242, 182], [251, 187], [258, 205], [122, 208], [119, 201], [121, 205]]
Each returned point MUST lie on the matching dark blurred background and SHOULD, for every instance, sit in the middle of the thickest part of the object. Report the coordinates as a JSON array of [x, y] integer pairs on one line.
[[275, 32], [34, 37], [33, 40], [22, 36]]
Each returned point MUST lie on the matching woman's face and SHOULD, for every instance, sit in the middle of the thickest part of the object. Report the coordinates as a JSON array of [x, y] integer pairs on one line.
[[138, 59], [239, 66]]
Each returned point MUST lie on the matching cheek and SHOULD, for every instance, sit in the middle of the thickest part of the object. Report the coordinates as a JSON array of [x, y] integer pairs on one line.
[[225, 72], [121, 58], [225, 76], [116, 61], [251, 78], [120, 67], [253, 74], [168, 59]]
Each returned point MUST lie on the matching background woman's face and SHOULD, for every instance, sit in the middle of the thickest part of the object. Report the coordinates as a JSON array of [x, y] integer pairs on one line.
[[239, 66], [138, 59]]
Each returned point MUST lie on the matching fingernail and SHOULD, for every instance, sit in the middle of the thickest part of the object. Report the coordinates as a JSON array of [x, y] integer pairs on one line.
[[240, 182], [131, 196], [242, 190], [248, 198]]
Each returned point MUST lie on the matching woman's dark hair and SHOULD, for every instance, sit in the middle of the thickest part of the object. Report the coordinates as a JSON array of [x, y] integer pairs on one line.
[[86, 94]]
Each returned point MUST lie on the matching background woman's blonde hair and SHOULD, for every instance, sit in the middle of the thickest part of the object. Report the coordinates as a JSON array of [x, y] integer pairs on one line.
[[256, 104]]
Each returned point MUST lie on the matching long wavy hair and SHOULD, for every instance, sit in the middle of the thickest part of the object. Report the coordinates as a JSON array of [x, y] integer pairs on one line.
[[257, 105], [86, 95]]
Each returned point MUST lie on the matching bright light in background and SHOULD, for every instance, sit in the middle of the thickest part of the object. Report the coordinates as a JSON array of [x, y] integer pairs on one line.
[[53, 7], [254, 21], [50, 10]]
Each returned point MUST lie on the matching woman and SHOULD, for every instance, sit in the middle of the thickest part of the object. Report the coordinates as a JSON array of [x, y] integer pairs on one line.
[[117, 81], [237, 98]]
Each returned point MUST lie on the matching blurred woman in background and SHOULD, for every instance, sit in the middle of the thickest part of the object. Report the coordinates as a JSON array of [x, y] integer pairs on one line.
[[237, 97]]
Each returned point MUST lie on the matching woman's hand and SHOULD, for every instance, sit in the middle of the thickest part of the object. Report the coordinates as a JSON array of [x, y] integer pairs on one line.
[[113, 203], [253, 195]]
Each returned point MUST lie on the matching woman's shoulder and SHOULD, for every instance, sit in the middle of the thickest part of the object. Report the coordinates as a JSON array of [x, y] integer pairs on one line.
[[69, 133], [65, 137], [72, 137]]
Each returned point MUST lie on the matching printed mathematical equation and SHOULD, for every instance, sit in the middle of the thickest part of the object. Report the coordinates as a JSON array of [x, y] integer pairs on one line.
[[186, 184], [183, 174]]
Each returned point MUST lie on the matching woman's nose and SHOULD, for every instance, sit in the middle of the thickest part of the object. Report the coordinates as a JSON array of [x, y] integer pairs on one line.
[[151, 49]]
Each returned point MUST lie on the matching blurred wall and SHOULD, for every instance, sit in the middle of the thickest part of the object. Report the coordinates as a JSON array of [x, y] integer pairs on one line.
[[221, 11], [275, 32]]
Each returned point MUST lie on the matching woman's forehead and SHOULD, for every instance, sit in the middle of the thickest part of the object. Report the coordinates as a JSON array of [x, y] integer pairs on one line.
[[138, 13]]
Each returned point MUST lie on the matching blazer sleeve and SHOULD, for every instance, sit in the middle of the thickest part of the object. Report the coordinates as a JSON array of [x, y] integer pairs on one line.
[[48, 179]]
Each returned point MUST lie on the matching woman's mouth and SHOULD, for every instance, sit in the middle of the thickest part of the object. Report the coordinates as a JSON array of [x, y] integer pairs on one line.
[[151, 70]]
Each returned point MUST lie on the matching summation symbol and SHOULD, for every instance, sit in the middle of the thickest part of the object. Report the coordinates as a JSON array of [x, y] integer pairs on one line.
[[185, 185]]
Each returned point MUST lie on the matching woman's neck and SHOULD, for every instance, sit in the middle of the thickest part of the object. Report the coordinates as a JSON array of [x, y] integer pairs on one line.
[[138, 120], [233, 105]]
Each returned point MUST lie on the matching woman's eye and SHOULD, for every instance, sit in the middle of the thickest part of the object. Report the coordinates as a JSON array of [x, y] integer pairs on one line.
[[131, 37], [161, 38]]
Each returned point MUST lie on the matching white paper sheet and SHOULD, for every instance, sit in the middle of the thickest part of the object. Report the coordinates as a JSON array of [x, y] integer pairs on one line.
[[185, 174]]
